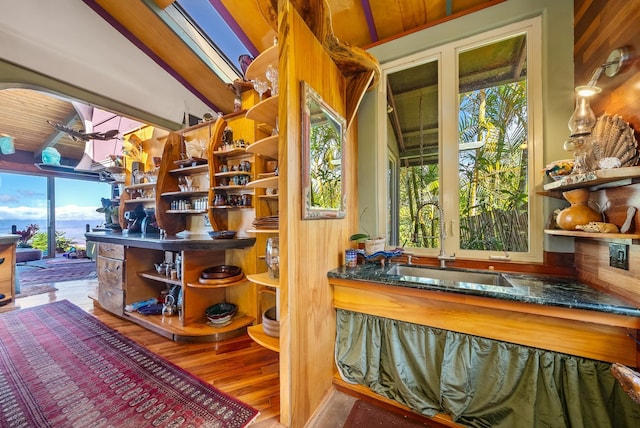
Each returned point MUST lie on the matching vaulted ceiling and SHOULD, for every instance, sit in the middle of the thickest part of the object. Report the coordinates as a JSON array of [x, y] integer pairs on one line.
[[363, 23]]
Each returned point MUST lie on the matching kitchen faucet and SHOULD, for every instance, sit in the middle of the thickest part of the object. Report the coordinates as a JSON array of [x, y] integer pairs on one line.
[[443, 257]]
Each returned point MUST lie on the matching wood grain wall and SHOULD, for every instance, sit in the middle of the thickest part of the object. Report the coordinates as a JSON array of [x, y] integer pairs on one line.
[[599, 27], [308, 248]]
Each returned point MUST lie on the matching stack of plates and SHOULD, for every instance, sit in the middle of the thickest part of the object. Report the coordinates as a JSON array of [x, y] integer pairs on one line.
[[269, 222]]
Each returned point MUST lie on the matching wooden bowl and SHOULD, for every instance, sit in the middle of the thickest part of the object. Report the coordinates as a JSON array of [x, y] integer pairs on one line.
[[270, 326], [220, 272]]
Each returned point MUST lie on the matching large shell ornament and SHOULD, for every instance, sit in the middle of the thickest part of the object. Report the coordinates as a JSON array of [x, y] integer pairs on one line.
[[615, 138]]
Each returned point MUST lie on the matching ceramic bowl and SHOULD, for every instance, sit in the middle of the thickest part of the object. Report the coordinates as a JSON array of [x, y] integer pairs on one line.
[[270, 325], [222, 234], [221, 310]]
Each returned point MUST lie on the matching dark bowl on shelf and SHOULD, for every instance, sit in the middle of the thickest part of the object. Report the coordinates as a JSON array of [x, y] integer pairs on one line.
[[222, 234], [220, 272], [221, 310]]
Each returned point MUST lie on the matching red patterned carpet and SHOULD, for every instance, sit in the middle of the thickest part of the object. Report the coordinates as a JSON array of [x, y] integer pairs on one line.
[[62, 367]]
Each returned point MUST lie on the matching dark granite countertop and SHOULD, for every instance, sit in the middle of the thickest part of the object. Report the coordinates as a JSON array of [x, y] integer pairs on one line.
[[541, 290], [178, 242]]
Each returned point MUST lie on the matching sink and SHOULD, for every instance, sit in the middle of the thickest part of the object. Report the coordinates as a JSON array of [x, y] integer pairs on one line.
[[460, 278]]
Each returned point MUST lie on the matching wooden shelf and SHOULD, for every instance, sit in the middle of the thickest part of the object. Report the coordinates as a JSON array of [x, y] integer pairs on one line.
[[264, 183], [269, 197], [592, 235], [185, 194], [596, 178], [231, 187], [265, 112], [139, 200], [186, 211], [267, 147], [231, 173], [160, 278], [214, 286], [258, 66], [231, 207], [264, 279], [188, 170], [261, 338], [263, 230], [228, 153], [139, 186]]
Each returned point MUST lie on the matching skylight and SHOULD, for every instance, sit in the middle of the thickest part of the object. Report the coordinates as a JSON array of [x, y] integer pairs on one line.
[[203, 28]]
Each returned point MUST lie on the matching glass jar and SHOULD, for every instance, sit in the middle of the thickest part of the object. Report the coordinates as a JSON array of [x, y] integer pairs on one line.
[[272, 257]]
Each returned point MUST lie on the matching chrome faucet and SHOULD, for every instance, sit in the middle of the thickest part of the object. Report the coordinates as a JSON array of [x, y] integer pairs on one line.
[[443, 257]]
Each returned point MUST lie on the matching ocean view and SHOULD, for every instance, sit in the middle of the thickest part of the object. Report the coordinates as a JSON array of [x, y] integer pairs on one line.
[[73, 229]]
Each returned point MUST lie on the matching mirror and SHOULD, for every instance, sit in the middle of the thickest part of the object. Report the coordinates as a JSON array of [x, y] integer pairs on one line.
[[323, 140]]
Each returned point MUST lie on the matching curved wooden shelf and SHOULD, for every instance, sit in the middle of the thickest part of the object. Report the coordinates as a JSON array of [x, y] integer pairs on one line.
[[265, 111], [185, 194], [596, 178], [259, 65], [172, 326], [231, 173], [261, 338], [267, 147], [188, 170], [228, 153], [230, 187], [264, 279], [264, 183], [186, 211], [243, 280], [231, 207], [139, 200], [269, 197]]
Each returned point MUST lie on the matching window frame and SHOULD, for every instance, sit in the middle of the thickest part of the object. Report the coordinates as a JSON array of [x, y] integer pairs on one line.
[[447, 55]]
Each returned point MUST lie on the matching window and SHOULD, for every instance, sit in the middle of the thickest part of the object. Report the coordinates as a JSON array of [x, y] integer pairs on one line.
[[462, 137]]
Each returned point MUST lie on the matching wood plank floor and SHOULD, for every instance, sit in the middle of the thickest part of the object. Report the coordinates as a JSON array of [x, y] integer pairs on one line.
[[238, 367]]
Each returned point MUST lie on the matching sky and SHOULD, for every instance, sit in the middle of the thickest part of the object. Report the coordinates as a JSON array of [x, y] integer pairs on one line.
[[24, 197]]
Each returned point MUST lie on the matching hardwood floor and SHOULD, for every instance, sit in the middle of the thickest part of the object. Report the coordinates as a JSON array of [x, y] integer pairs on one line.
[[239, 367]]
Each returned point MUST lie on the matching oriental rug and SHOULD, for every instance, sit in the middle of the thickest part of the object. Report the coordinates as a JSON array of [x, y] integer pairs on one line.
[[62, 367]]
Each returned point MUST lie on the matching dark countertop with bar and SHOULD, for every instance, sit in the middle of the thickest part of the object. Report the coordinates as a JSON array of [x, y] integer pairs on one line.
[[178, 242], [535, 289]]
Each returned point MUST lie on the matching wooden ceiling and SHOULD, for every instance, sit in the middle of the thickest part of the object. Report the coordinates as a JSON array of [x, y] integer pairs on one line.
[[363, 23]]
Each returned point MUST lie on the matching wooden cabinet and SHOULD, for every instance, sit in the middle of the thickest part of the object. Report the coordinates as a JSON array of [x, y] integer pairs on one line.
[[126, 275], [110, 266], [7, 268]]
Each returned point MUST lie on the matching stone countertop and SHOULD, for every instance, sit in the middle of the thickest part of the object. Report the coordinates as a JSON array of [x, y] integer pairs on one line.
[[536, 289], [9, 239], [178, 242]]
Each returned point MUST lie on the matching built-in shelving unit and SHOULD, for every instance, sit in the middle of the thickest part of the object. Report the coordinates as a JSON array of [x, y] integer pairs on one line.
[[267, 147]]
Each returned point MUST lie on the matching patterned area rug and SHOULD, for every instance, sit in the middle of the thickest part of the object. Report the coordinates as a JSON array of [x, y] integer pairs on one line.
[[47, 273], [62, 367]]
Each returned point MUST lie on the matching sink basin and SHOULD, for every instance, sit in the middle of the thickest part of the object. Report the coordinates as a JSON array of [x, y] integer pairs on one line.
[[461, 278]]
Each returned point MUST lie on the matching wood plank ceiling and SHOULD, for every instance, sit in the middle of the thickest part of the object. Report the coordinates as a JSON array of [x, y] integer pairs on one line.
[[363, 23]]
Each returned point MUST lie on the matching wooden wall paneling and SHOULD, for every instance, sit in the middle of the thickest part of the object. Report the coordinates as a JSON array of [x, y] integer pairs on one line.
[[592, 256], [600, 27], [310, 248]]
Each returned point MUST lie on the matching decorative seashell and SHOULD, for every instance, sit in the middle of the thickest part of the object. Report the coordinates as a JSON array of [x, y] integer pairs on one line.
[[615, 139]]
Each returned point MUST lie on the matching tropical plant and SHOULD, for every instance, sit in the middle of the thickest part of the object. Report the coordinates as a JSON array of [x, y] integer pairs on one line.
[[41, 241], [26, 235]]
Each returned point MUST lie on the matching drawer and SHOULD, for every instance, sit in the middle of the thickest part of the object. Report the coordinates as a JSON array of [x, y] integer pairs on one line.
[[114, 251], [111, 299], [110, 272]]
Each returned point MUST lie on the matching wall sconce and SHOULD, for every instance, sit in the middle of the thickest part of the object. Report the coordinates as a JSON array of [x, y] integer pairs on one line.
[[7, 146], [583, 119]]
